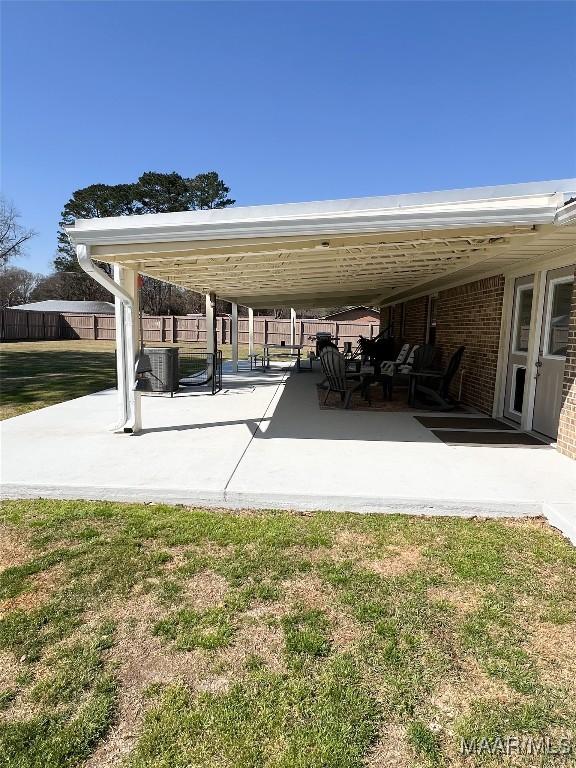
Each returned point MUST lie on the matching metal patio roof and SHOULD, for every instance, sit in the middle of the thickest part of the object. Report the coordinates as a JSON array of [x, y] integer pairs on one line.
[[362, 250]]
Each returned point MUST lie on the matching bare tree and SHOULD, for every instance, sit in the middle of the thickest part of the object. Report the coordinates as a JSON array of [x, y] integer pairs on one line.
[[156, 296], [16, 286], [13, 236]]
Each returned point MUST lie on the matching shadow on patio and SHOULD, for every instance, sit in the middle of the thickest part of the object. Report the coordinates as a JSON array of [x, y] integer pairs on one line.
[[293, 413]]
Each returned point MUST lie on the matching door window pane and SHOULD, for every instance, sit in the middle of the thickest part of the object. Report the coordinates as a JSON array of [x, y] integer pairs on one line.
[[522, 330], [559, 319]]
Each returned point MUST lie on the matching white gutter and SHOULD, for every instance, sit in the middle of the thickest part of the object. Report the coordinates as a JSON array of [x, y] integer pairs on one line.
[[124, 336], [186, 227], [515, 204], [100, 276]]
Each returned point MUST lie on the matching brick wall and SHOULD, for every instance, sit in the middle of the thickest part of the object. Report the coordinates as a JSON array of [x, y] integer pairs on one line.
[[396, 320], [415, 320], [409, 320], [567, 424], [470, 315], [385, 318]]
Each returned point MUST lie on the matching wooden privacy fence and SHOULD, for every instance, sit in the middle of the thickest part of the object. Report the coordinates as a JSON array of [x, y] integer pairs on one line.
[[22, 325]]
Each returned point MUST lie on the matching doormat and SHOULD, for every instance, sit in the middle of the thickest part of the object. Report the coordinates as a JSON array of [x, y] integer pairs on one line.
[[462, 422], [511, 439]]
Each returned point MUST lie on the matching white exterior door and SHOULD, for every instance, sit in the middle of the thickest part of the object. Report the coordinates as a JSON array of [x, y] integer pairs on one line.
[[519, 340], [552, 350]]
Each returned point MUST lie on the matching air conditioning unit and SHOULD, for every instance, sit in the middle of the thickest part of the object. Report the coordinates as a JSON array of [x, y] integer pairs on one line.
[[164, 374]]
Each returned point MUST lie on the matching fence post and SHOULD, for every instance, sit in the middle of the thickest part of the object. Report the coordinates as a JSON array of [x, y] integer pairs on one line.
[[172, 339], [265, 330], [94, 327]]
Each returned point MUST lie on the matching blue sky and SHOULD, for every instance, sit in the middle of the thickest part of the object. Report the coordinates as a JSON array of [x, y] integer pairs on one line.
[[287, 101]]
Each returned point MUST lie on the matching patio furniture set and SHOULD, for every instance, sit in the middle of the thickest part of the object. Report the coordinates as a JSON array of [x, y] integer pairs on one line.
[[416, 367]]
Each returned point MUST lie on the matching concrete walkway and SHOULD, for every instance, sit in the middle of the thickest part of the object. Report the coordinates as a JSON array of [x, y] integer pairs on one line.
[[264, 442]]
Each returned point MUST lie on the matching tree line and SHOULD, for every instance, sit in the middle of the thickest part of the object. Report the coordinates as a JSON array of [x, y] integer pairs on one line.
[[153, 192]]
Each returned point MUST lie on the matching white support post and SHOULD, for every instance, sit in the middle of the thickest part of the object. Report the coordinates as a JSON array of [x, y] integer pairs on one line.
[[250, 331], [210, 330], [292, 326], [235, 337], [128, 345], [121, 368], [132, 320]]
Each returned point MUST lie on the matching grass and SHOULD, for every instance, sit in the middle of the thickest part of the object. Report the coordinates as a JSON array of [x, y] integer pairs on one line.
[[151, 636], [306, 632], [35, 374]]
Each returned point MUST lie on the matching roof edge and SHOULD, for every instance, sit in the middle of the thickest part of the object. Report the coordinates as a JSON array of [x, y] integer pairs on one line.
[[534, 203]]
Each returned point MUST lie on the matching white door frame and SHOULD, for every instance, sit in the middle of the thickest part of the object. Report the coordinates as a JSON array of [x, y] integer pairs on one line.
[[539, 269]]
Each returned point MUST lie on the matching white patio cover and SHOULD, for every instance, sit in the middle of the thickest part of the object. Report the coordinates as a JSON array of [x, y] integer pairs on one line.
[[358, 251]]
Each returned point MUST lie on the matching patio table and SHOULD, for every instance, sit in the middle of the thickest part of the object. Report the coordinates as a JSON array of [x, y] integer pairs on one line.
[[370, 374], [294, 349]]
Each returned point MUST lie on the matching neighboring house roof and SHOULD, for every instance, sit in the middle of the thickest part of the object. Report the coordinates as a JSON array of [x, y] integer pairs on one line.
[[344, 310], [74, 307]]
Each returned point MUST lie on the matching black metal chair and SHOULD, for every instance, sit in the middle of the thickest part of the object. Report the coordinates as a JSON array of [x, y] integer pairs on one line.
[[337, 377], [435, 385], [396, 373], [390, 366]]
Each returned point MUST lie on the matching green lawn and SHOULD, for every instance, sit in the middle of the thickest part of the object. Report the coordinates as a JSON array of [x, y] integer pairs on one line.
[[164, 637], [34, 374]]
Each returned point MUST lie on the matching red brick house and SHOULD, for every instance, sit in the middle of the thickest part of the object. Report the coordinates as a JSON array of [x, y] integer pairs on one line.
[[512, 324]]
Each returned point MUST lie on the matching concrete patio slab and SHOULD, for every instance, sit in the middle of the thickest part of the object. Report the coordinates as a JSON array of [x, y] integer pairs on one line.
[[264, 442]]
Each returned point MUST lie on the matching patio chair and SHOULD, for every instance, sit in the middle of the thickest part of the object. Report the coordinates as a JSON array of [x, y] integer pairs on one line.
[[396, 372], [389, 367], [337, 377], [377, 350], [433, 385]]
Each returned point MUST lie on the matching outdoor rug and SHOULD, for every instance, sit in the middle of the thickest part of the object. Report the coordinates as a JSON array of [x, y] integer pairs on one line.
[[396, 405], [462, 422], [504, 439]]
